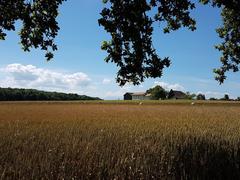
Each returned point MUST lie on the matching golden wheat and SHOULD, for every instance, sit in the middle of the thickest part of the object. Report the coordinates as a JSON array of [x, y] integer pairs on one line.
[[119, 141]]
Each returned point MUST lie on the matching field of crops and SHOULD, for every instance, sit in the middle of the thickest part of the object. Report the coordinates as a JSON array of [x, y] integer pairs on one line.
[[110, 140]]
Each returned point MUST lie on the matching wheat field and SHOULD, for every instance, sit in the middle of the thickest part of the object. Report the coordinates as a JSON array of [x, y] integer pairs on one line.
[[119, 140]]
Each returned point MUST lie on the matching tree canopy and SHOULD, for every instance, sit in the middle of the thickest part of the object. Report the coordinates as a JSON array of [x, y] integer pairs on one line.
[[201, 97], [39, 22], [190, 96], [131, 27], [226, 97], [157, 93]]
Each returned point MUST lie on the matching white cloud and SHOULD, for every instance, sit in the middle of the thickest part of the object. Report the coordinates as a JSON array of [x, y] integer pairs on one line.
[[169, 86], [106, 81], [118, 92], [29, 76], [114, 94]]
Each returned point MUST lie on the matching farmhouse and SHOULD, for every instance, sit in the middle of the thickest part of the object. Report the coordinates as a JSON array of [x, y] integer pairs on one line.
[[137, 96], [176, 95], [146, 96]]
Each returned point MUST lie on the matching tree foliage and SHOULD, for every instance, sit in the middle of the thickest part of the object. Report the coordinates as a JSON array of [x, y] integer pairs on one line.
[[39, 22], [157, 93], [130, 25], [131, 29], [201, 97], [190, 96], [229, 32], [226, 97]]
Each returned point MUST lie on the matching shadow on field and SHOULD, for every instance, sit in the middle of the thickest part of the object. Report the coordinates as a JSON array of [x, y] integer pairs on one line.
[[191, 158], [205, 160], [197, 159]]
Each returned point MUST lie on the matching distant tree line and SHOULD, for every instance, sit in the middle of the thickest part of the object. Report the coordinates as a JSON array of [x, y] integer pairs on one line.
[[159, 92], [225, 98], [15, 94]]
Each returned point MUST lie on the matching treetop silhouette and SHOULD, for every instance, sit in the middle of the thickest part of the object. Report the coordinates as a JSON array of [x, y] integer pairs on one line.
[[130, 26]]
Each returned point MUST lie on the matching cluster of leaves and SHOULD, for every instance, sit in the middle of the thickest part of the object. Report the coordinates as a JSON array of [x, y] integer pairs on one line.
[[10, 11], [39, 22], [230, 33], [130, 25], [157, 93], [122, 18], [201, 97], [190, 96], [225, 98], [10, 94], [131, 29]]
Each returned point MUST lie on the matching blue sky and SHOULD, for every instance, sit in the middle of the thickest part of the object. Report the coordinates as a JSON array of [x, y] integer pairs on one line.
[[79, 67]]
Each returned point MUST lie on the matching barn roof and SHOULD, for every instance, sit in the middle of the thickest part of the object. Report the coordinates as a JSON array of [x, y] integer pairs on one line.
[[178, 93], [138, 93]]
